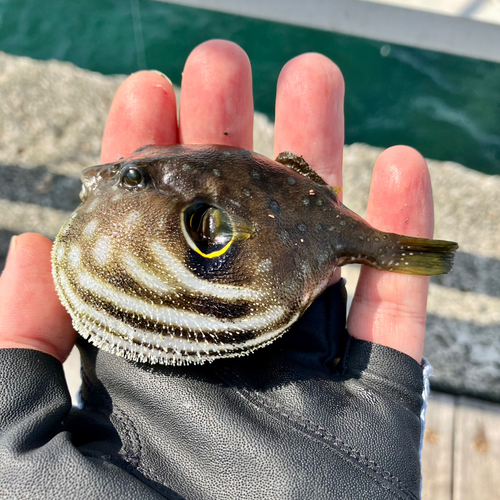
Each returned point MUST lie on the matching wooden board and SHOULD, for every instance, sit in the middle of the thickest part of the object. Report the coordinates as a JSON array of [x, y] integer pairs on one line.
[[437, 452], [476, 450]]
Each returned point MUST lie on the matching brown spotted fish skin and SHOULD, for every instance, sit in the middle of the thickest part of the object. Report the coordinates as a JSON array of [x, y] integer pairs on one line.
[[184, 254]]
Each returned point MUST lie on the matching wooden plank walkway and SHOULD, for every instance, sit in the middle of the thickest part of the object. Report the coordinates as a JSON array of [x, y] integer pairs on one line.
[[461, 454]]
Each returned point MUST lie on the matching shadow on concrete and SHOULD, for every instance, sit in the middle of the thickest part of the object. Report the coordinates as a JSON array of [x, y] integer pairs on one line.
[[473, 273], [40, 187]]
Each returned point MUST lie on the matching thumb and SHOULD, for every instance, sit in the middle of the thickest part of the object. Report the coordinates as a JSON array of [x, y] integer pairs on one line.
[[31, 316]]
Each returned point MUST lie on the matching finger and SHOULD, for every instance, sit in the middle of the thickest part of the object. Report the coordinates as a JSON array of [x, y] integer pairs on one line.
[[388, 308], [310, 116], [143, 112], [216, 96], [31, 315]]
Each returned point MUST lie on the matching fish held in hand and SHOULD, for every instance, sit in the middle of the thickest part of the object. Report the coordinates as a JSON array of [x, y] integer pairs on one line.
[[184, 254]]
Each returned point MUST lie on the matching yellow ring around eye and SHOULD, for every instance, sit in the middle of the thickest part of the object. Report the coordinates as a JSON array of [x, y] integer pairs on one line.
[[192, 245], [217, 253]]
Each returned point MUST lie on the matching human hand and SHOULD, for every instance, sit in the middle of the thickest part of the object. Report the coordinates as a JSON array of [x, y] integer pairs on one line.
[[216, 99]]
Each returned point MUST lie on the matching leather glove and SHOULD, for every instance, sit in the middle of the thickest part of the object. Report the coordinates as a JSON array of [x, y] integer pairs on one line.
[[317, 414]]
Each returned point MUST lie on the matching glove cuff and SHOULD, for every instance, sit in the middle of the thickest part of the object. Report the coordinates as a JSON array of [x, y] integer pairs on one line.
[[384, 370]]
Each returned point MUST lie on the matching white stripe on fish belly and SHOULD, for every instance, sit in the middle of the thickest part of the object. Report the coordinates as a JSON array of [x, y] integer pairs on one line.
[[198, 285], [176, 317], [87, 315], [123, 329], [144, 277]]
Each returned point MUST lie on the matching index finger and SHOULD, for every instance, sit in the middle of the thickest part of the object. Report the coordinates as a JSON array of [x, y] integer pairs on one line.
[[143, 112]]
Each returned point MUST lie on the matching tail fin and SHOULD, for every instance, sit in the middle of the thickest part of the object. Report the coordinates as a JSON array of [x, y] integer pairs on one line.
[[420, 256]]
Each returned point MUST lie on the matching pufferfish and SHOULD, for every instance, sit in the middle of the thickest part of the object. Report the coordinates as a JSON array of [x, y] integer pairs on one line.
[[186, 254]]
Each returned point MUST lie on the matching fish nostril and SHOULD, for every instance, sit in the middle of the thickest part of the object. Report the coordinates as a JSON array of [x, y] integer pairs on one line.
[[84, 193]]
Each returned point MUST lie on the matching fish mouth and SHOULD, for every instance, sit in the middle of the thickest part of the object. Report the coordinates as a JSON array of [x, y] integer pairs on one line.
[[91, 177]]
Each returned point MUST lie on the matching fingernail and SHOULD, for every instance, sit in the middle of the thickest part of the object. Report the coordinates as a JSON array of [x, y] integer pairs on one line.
[[162, 74], [13, 243]]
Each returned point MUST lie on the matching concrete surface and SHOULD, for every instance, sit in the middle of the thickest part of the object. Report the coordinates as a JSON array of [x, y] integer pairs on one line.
[[52, 116]]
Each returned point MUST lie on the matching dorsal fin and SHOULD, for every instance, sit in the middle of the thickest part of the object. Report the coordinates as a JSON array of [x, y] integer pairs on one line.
[[299, 165]]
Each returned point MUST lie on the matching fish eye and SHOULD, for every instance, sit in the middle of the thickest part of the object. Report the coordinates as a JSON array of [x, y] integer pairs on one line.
[[207, 229], [132, 177]]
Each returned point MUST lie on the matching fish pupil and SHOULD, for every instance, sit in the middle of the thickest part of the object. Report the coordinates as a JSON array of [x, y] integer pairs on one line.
[[132, 177]]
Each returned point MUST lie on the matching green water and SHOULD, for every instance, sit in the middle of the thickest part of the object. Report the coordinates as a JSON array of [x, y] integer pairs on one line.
[[445, 106]]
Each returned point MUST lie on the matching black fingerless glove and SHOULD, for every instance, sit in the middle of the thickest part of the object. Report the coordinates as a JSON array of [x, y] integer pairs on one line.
[[291, 420]]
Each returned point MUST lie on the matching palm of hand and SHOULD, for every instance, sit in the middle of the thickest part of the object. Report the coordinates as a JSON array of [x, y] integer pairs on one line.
[[217, 107]]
